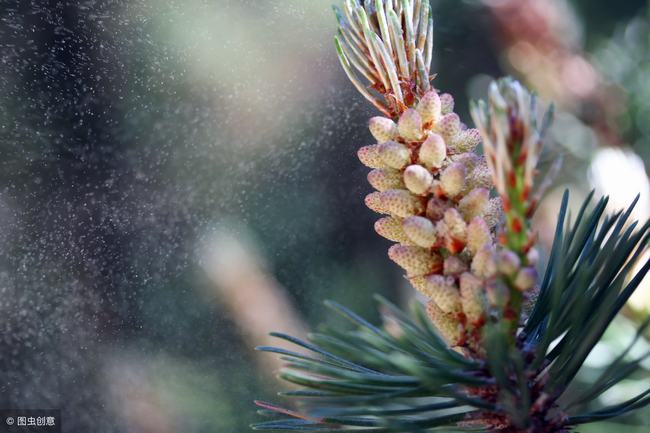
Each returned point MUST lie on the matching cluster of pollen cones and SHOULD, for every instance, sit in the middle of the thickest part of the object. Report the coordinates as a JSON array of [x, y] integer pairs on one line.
[[435, 192], [430, 182]]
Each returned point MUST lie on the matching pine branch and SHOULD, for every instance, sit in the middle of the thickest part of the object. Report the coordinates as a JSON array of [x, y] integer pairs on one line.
[[471, 360]]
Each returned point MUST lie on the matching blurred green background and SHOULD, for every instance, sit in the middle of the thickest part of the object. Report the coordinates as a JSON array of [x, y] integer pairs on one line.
[[179, 178]]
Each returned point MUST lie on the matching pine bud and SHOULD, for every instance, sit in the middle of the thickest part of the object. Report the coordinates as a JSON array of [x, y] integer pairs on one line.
[[394, 154], [415, 260], [447, 325], [508, 262], [454, 265], [430, 107], [484, 264], [373, 201], [452, 179], [383, 129], [443, 291], [383, 179], [471, 295], [456, 225], [449, 126], [410, 125], [446, 103], [420, 231], [474, 204], [369, 156], [478, 235], [466, 141], [401, 203], [525, 279], [417, 179], [433, 151], [391, 229], [436, 209]]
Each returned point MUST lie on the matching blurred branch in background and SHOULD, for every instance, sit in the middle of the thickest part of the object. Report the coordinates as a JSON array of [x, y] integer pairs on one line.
[[624, 61], [259, 304]]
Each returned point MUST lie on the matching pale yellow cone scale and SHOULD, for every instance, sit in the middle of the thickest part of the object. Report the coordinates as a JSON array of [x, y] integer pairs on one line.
[[383, 129], [417, 179], [420, 231]]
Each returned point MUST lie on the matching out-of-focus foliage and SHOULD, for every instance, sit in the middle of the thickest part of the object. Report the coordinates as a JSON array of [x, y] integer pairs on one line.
[[624, 60]]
